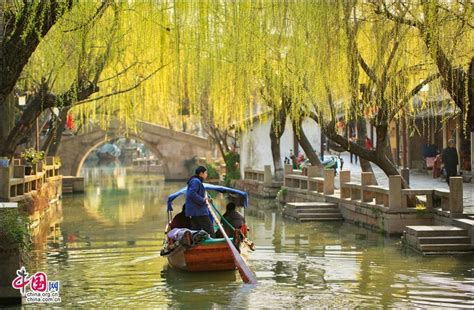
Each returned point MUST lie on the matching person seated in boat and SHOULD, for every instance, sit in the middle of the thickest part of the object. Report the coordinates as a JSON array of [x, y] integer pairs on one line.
[[180, 220], [233, 217]]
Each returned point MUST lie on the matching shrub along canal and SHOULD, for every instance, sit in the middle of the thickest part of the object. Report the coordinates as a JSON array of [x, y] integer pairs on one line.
[[104, 249]]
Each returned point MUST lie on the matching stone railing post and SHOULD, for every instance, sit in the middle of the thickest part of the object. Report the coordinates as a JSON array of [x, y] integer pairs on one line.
[[267, 175], [366, 179], [19, 171], [288, 169], [6, 173], [455, 195], [328, 187], [313, 171], [344, 177], [394, 192], [49, 160]]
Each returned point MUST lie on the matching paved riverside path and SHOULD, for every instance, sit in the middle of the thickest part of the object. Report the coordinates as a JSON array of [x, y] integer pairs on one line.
[[418, 179]]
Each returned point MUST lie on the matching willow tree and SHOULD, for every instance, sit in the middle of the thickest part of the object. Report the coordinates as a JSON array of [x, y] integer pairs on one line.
[[84, 73], [447, 30], [102, 51], [22, 25], [392, 63]]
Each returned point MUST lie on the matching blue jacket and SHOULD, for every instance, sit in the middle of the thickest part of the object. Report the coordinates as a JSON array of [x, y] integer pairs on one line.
[[195, 193]]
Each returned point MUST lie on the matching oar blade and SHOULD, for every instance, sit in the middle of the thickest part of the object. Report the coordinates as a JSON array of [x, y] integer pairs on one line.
[[245, 273]]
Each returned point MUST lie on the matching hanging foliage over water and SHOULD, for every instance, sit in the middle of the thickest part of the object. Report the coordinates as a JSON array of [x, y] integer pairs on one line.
[[166, 57]]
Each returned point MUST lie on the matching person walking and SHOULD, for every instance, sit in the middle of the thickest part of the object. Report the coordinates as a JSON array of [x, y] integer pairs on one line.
[[196, 202], [450, 160], [353, 139]]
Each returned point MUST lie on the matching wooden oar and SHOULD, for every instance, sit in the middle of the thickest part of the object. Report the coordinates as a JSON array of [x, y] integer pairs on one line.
[[245, 273]]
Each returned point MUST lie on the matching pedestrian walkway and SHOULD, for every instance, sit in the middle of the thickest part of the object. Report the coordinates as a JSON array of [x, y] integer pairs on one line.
[[418, 179]]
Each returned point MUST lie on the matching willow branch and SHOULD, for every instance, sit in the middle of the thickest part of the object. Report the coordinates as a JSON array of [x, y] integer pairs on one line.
[[106, 56], [369, 71], [123, 90], [412, 93], [398, 19], [98, 14], [118, 73]]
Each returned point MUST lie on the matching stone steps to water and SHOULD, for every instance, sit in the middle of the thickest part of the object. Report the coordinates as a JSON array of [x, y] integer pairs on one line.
[[439, 240], [433, 231], [464, 223], [313, 211], [311, 204], [320, 215], [445, 240], [67, 189], [318, 210], [318, 219], [439, 248]]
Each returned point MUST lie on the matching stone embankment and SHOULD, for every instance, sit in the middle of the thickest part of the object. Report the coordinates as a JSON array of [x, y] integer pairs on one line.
[[34, 195], [416, 213], [259, 183], [426, 217]]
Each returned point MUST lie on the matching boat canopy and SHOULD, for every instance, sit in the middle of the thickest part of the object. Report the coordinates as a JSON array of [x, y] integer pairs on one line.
[[209, 187]]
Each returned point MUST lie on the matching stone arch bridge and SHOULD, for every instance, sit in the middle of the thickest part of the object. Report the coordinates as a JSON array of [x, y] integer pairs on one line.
[[172, 147]]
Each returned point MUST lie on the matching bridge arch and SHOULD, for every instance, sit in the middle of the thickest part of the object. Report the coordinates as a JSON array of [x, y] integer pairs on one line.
[[172, 147]]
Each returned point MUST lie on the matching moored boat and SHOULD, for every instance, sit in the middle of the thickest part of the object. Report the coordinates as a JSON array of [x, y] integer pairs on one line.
[[212, 254]]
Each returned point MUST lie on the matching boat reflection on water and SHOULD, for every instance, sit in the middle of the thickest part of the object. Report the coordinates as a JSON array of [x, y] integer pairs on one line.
[[206, 289], [175, 276]]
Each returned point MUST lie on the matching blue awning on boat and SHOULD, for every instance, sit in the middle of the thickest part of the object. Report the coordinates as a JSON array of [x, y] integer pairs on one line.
[[209, 187]]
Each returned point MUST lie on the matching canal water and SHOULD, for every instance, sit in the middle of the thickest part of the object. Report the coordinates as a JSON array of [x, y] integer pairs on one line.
[[104, 249]]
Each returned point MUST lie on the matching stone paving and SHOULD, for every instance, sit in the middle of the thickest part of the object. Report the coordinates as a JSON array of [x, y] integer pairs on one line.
[[418, 179]]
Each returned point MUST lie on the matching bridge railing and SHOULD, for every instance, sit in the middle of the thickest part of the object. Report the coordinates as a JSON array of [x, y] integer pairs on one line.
[[15, 184], [145, 162]]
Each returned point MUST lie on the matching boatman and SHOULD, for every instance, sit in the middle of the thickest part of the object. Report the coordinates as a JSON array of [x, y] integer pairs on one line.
[[196, 202]]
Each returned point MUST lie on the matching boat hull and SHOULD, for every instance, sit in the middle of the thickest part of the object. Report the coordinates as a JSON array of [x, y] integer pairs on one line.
[[207, 257]]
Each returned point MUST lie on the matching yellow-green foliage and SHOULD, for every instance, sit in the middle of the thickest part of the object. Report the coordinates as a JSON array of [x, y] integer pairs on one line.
[[231, 55]]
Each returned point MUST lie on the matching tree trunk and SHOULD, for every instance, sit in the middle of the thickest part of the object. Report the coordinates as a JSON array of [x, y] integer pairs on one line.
[[21, 38], [24, 125], [7, 112], [376, 156], [40, 102], [362, 135], [58, 133], [276, 131], [307, 147], [276, 154], [49, 139], [470, 105]]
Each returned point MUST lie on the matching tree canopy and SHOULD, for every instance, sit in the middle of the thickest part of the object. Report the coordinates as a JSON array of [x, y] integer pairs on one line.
[[158, 60]]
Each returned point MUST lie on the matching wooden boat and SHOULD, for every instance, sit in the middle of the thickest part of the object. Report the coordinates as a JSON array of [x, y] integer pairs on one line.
[[211, 254]]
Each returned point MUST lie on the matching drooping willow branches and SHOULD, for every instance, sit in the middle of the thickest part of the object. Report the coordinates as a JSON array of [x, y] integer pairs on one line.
[[160, 60]]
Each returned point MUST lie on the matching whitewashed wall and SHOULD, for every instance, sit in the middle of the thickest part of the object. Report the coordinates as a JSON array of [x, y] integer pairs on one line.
[[255, 151]]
